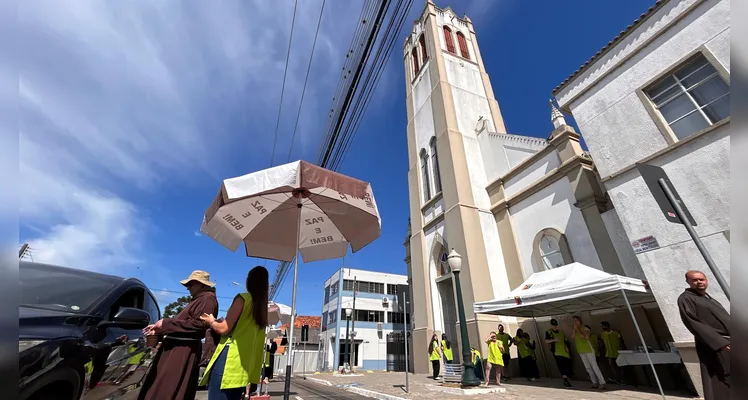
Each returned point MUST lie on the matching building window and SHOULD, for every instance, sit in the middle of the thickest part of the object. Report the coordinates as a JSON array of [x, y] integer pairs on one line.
[[414, 56], [362, 286], [396, 290], [332, 317], [463, 45], [448, 39], [327, 295], [691, 98], [550, 252], [435, 165], [333, 289], [424, 54], [324, 319], [425, 176], [396, 318], [369, 316]]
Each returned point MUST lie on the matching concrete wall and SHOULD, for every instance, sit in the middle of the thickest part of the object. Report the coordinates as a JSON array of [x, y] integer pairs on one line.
[[620, 131], [551, 207]]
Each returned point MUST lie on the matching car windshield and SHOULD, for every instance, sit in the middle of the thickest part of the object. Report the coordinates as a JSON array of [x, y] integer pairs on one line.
[[60, 289]]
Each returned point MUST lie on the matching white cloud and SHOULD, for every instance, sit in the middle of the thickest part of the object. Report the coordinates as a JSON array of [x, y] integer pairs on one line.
[[196, 233], [119, 98]]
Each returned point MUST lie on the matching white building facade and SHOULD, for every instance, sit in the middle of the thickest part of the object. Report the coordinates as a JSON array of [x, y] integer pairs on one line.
[[377, 313], [660, 94], [511, 205]]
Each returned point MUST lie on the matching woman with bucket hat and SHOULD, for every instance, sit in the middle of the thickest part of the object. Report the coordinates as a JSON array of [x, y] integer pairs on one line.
[[175, 370]]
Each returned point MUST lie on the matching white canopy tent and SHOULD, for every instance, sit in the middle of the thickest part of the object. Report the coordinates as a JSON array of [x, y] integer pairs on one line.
[[569, 290]]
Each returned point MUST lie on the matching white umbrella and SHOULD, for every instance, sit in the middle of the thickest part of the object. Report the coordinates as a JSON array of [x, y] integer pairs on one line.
[[293, 208], [278, 313]]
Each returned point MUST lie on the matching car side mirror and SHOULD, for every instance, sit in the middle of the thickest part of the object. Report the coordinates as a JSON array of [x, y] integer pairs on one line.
[[128, 318]]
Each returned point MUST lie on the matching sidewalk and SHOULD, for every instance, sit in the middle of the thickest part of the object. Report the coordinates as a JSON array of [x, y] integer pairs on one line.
[[391, 386]]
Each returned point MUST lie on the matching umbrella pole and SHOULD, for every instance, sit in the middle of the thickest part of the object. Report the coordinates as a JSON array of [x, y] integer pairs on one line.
[[641, 337], [289, 359]]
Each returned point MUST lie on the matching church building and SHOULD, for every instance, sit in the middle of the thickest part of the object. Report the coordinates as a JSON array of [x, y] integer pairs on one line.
[[510, 205]]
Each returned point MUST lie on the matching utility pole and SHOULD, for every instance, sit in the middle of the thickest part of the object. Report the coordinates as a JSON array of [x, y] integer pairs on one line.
[[23, 250], [353, 322]]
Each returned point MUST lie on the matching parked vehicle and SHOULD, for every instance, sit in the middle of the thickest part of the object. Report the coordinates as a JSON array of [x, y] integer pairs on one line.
[[80, 334]]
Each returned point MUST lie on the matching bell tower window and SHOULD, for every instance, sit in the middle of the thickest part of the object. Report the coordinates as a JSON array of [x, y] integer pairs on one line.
[[424, 54], [448, 39], [463, 45], [414, 56]]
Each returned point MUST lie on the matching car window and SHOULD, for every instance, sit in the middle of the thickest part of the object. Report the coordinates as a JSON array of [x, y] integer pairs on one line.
[[60, 289], [133, 298], [151, 307]]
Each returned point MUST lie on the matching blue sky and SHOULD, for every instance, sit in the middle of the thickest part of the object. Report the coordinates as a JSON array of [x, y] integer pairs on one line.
[[132, 112]]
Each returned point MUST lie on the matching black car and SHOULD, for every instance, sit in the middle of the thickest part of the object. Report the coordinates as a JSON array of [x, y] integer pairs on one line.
[[80, 334]]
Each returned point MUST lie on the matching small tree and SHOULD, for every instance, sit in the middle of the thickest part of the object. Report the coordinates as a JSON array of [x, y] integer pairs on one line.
[[172, 309]]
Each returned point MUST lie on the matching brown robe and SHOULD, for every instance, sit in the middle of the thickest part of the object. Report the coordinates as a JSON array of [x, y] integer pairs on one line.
[[174, 372], [709, 323]]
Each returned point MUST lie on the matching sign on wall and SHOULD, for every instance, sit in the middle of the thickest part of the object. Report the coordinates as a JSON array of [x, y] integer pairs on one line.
[[645, 244]]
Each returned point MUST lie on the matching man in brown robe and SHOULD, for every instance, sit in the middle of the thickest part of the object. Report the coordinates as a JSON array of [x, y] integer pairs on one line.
[[174, 372], [709, 323]]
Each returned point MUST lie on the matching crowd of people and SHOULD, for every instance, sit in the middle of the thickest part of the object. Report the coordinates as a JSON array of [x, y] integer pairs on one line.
[[704, 317], [495, 368], [235, 346]]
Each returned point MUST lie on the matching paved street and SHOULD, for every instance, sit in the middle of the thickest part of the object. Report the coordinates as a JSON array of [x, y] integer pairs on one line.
[[423, 387], [302, 390]]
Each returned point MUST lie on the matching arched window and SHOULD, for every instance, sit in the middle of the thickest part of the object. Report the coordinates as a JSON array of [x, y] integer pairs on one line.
[[463, 45], [425, 175], [416, 67], [448, 39], [435, 165], [424, 54], [551, 250]]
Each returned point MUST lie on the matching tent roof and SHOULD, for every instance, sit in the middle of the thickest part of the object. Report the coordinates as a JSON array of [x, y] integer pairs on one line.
[[570, 289]]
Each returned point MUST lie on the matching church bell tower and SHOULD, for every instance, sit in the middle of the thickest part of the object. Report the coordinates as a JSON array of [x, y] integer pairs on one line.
[[450, 102]]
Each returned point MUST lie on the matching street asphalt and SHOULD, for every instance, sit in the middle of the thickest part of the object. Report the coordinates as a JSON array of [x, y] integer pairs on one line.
[[302, 390]]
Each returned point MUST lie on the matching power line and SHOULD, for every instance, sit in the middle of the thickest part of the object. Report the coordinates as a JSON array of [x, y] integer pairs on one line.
[[306, 79], [283, 86]]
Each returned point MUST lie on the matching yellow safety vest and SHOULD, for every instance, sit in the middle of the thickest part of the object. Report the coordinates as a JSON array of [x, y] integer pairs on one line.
[[244, 358], [612, 341], [447, 352], [434, 351], [505, 339], [494, 354], [559, 347]]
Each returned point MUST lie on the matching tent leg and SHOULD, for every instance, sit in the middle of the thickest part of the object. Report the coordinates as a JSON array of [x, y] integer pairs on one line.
[[540, 343], [641, 337]]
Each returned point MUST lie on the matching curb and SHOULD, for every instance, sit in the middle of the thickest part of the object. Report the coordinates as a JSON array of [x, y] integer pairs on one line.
[[363, 392], [320, 381], [466, 392], [372, 394]]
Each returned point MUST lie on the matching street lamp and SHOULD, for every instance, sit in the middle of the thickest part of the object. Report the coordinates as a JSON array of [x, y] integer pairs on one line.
[[346, 363], [454, 260]]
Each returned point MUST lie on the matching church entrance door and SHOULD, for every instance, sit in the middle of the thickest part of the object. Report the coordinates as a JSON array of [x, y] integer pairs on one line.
[[449, 311]]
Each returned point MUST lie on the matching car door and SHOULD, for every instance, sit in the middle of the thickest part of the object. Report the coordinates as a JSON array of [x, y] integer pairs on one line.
[[115, 369]]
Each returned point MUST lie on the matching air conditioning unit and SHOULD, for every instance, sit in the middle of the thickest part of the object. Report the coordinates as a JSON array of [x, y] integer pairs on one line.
[[385, 301]]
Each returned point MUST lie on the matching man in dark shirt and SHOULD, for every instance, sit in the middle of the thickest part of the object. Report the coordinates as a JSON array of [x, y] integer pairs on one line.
[[709, 323]]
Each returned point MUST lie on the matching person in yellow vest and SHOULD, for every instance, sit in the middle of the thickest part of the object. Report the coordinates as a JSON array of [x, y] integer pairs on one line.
[[612, 342], [495, 358], [581, 336], [560, 350], [531, 362], [519, 341], [506, 342], [477, 363], [237, 361], [434, 355], [447, 349]]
